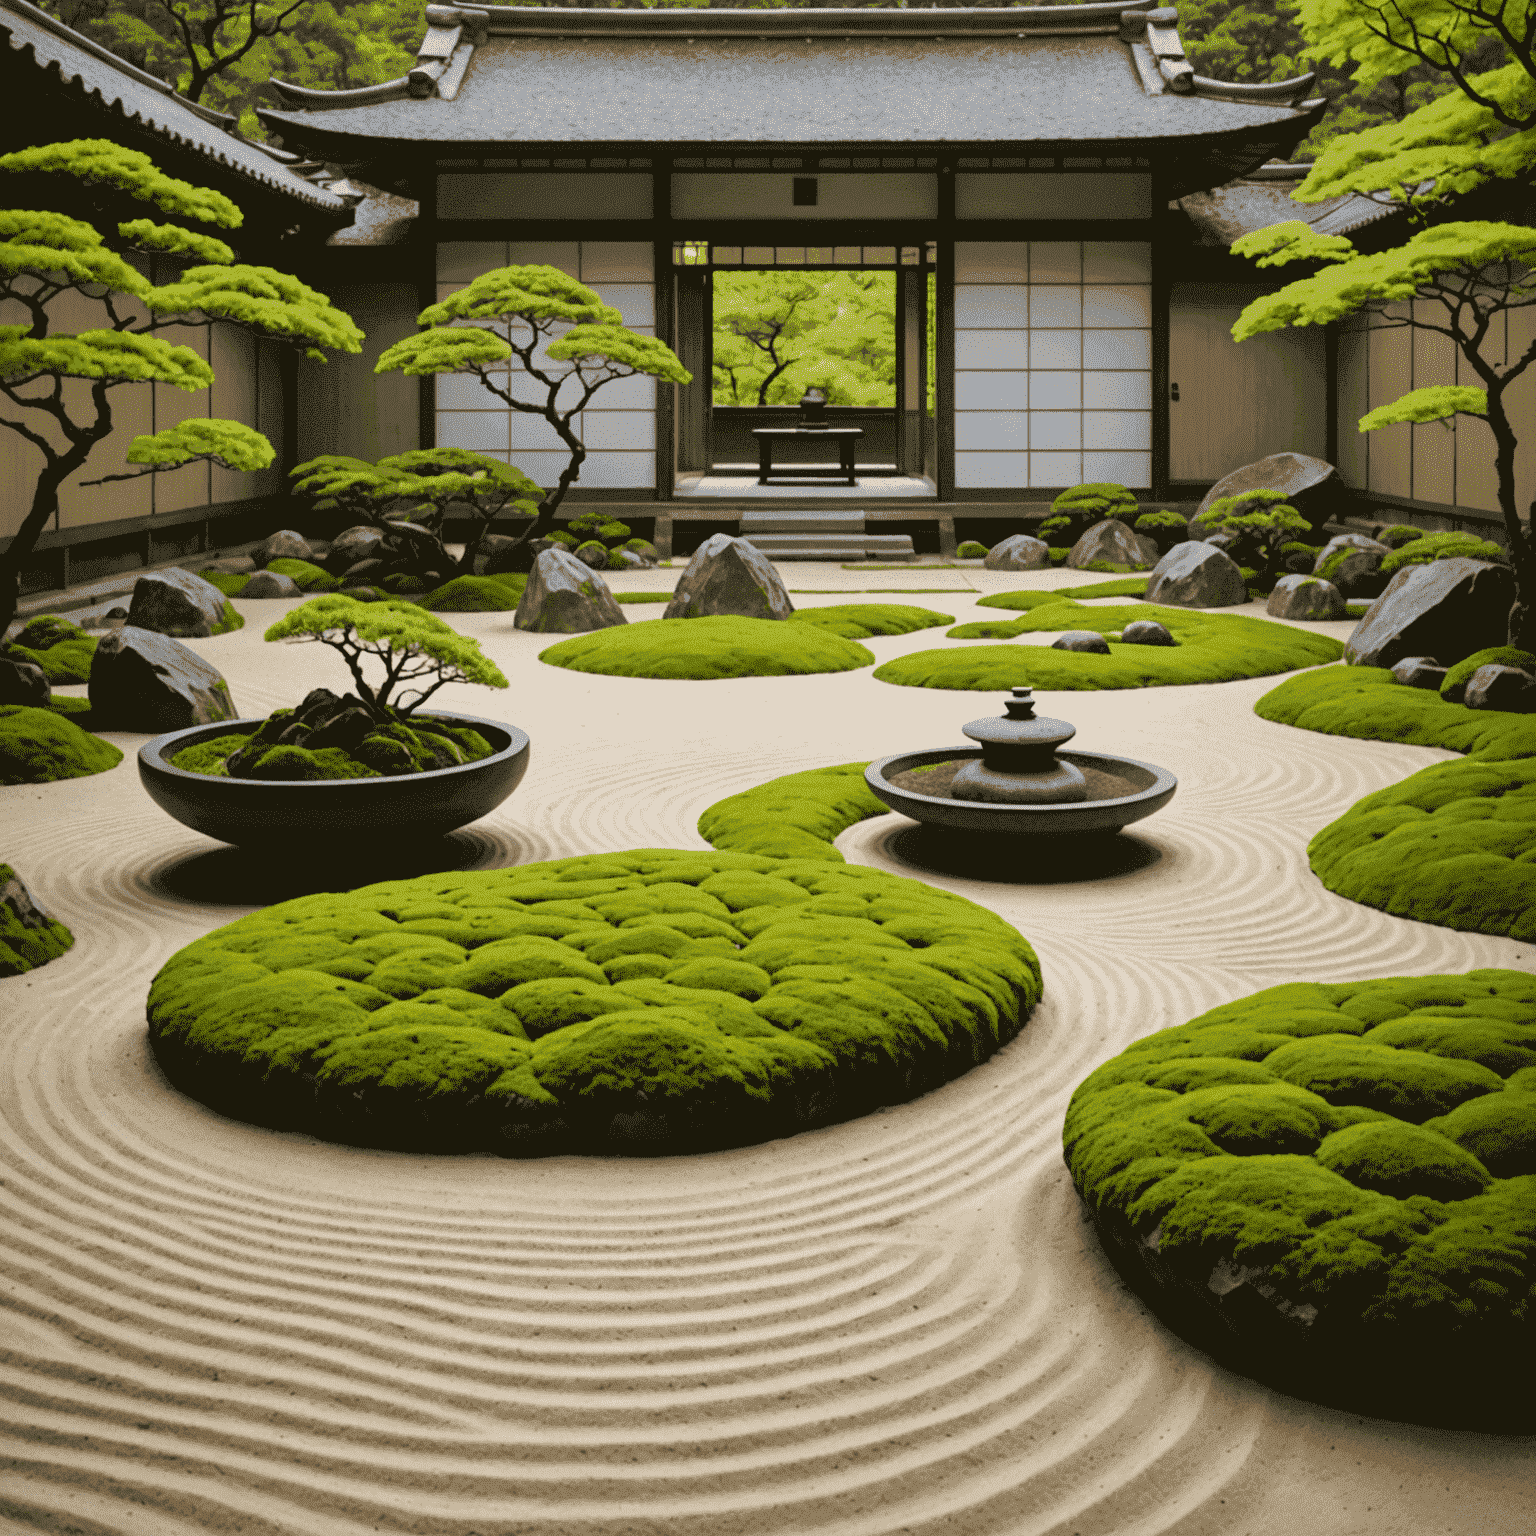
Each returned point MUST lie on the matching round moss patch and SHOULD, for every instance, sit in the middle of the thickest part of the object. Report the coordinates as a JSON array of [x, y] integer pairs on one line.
[[28, 936], [305, 575], [1332, 1186], [1453, 844], [707, 649], [1208, 648], [476, 594], [63, 650], [795, 816], [649, 1001], [230, 583], [858, 621], [38, 746]]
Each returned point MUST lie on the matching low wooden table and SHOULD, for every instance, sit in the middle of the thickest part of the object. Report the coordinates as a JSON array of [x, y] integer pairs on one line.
[[846, 438]]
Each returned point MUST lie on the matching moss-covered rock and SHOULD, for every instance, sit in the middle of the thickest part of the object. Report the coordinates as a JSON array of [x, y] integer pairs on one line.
[[971, 550], [793, 817], [28, 936], [1440, 546], [38, 746], [648, 1001], [707, 648], [1455, 843], [306, 576], [476, 594], [1458, 676], [63, 650], [1208, 648], [230, 583], [1333, 1186], [859, 621]]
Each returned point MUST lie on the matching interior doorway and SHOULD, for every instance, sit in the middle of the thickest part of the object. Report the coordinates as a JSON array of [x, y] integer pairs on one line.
[[759, 325]]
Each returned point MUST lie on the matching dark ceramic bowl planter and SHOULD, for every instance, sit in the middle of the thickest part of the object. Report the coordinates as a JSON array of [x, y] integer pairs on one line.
[[331, 811]]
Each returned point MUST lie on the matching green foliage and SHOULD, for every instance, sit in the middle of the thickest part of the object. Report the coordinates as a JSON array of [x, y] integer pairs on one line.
[[1458, 676], [171, 240], [476, 594], [702, 999], [793, 817], [260, 299], [1454, 844], [1431, 404], [228, 582], [34, 243], [307, 577], [858, 621], [26, 945], [1150, 522], [115, 357], [1209, 648], [101, 163], [63, 650], [526, 293], [1095, 501], [708, 648], [1454, 545], [1326, 1136], [1277, 245], [1263, 523], [411, 645], [229, 444], [613, 347], [1398, 535], [38, 746], [971, 550]]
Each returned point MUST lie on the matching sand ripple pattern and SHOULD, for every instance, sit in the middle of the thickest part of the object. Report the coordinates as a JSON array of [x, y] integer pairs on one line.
[[901, 1324]]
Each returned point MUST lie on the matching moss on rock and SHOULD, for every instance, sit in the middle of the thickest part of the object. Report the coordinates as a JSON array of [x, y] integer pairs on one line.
[[1296, 1180], [1458, 676], [1455, 843], [1208, 648], [231, 621], [63, 650], [28, 936], [708, 648], [229, 583], [305, 575], [38, 746], [467, 1010]]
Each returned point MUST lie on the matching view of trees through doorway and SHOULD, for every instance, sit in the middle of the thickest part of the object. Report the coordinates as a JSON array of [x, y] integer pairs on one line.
[[862, 334]]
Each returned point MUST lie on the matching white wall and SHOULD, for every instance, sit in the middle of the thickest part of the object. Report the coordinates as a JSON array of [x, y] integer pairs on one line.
[[762, 195], [544, 195], [618, 429], [1053, 359]]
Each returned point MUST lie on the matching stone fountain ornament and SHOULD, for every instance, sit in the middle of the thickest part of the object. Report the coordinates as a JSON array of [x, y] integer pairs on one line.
[[1018, 781]]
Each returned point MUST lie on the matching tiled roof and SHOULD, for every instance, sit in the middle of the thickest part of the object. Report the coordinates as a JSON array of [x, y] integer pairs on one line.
[[140, 98], [1226, 213]]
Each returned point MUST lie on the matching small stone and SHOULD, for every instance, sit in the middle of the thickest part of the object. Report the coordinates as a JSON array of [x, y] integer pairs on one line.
[[271, 584], [232, 565], [1146, 632], [363, 571], [360, 594], [565, 597], [175, 602], [1110, 540], [1420, 672], [1449, 609], [285, 544], [1082, 640], [594, 555], [23, 682], [145, 681], [729, 576], [1506, 688], [345, 729], [1352, 563], [351, 546], [1196, 574], [1020, 552], [1305, 597]]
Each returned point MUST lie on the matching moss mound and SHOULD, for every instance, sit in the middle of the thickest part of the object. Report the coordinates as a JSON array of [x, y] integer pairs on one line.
[[72, 708], [858, 621], [793, 817], [63, 650], [38, 746], [1440, 546], [476, 594], [707, 649], [306, 576], [1458, 676], [228, 582], [1333, 1187], [971, 550], [28, 936], [1208, 648], [649, 1001], [1455, 843], [231, 620], [1030, 599], [642, 597]]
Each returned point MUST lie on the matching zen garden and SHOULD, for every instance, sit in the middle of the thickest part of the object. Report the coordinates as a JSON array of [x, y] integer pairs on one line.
[[769, 768]]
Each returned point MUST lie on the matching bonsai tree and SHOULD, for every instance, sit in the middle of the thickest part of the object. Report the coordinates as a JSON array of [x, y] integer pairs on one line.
[[548, 318], [1077, 509], [49, 260], [599, 539], [412, 645], [1166, 527], [1264, 525]]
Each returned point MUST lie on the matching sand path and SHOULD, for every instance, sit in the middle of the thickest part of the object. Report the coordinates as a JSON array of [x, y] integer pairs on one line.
[[902, 1324]]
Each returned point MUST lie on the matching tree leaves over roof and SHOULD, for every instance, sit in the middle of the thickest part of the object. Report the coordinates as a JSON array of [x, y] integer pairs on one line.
[[170, 240], [101, 162]]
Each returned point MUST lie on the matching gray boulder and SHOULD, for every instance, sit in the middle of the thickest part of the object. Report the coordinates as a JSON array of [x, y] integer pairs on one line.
[[565, 597], [285, 544], [1496, 687], [1018, 553], [144, 681], [271, 584], [1082, 640], [232, 565], [1420, 672], [32, 938], [593, 554], [1352, 563], [175, 602], [1196, 575], [492, 554], [23, 682], [1447, 609], [1151, 550], [1312, 486], [351, 546], [629, 560], [1305, 597], [729, 576], [1109, 540], [1146, 632]]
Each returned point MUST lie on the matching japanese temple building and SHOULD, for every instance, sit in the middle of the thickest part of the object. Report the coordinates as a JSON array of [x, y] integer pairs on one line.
[[1056, 182]]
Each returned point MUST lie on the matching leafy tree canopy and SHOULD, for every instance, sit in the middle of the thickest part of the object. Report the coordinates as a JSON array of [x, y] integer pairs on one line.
[[524, 292], [101, 163]]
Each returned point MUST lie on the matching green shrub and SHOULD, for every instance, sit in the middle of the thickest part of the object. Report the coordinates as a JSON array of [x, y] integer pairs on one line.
[[652, 1001], [401, 584], [63, 650], [1054, 525], [38, 746], [1398, 535], [26, 945], [1365, 1150], [971, 550], [1059, 556], [1440, 546], [859, 621], [1356, 610], [1151, 522], [724, 646], [1094, 502], [1209, 648], [304, 575]]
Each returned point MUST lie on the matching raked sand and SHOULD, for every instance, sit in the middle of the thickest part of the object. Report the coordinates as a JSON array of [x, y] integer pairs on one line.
[[901, 1324]]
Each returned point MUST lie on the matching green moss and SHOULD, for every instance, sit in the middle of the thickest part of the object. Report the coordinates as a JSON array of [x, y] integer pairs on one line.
[[708, 648], [1025, 601], [228, 582], [476, 594], [38, 746], [1455, 843], [858, 621], [1407, 1244], [642, 597], [1440, 546], [401, 584], [793, 817], [26, 945], [1209, 648], [1458, 676], [1356, 610], [1149, 521], [63, 650], [1398, 535], [971, 550], [305, 575], [76, 709], [208, 757], [467, 1010], [231, 620]]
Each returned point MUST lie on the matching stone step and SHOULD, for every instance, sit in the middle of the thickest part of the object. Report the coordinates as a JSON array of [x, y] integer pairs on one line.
[[822, 520], [833, 546]]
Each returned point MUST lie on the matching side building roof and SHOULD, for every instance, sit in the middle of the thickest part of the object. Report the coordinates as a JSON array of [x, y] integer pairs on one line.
[[688, 81]]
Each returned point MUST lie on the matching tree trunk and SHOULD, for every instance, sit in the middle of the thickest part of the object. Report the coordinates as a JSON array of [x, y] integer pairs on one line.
[[1522, 554], [45, 502]]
